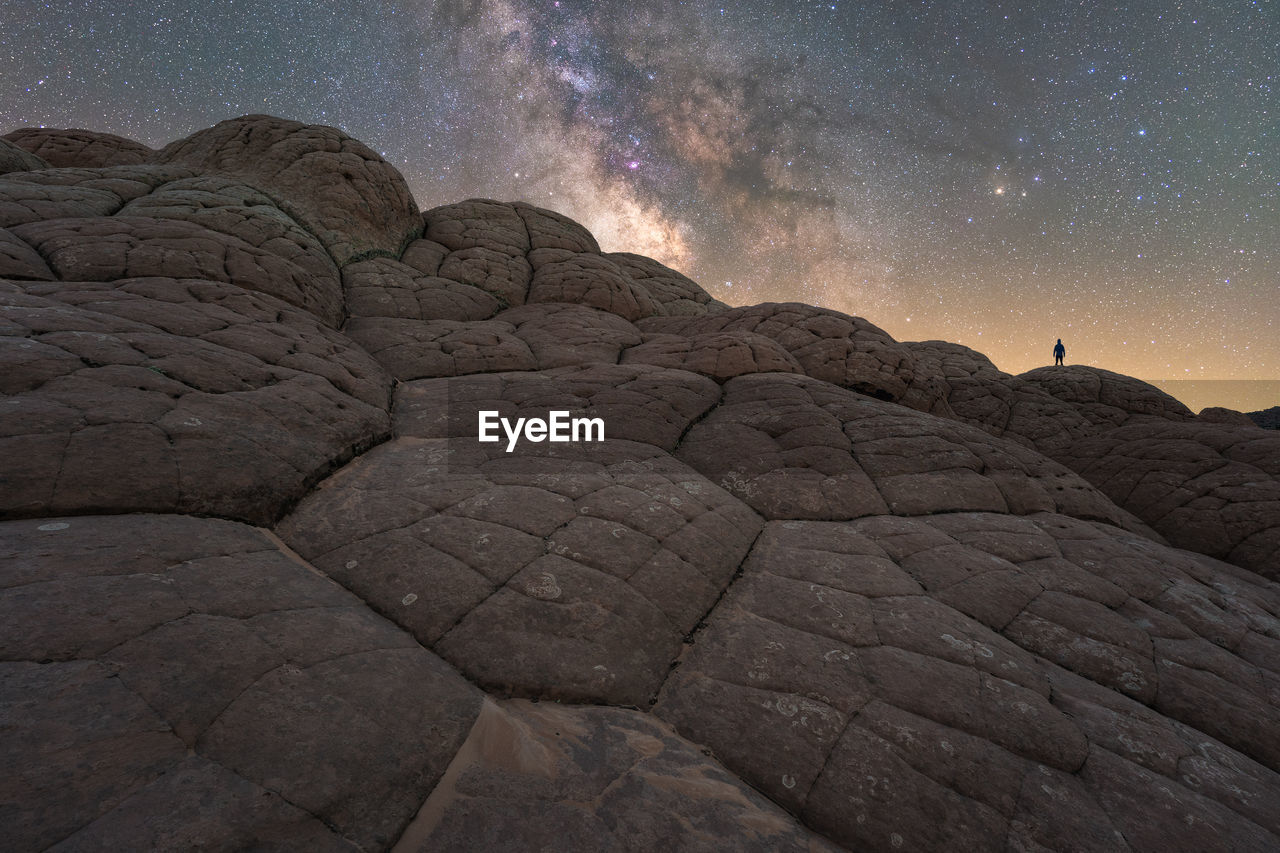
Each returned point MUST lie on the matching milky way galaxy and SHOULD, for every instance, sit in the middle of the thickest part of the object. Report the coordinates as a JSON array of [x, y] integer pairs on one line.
[[995, 174]]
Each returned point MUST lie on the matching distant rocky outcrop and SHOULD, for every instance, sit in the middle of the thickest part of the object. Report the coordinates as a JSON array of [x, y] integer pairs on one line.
[[1267, 418], [818, 589], [1222, 415]]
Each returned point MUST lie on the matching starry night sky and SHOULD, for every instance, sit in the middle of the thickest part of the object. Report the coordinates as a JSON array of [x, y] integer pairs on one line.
[[995, 174]]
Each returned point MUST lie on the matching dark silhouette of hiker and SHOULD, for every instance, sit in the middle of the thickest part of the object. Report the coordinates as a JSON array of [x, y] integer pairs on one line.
[[1059, 352]]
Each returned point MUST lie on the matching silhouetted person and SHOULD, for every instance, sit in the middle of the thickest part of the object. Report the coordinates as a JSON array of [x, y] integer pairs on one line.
[[1059, 352]]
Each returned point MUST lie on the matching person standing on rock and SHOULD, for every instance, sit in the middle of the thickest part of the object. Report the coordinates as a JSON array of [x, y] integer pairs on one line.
[[1059, 352]]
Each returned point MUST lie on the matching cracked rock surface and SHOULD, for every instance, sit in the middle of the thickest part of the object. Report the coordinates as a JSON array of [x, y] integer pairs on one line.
[[262, 587]]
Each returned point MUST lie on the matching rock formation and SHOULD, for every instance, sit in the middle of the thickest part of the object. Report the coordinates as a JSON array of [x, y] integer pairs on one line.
[[1267, 418], [817, 589]]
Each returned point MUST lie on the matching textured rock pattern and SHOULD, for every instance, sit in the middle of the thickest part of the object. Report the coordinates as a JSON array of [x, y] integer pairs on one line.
[[82, 148], [14, 158], [842, 350], [341, 190], [817, 589], [1003, 405], [794, 447], [975, 681], [173, 395], [1213, 488], [192, 671], [537, 777], [1107, 398]]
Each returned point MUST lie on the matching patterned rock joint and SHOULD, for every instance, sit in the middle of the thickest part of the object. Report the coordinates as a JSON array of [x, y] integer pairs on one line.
[[529, 337], [1011, 407], [845, 351], [522, 254], [855, 570], [186, 679], [1213, 488], [553, 571], [211, 399], [796, 447], [1107, 398], [851, 677]]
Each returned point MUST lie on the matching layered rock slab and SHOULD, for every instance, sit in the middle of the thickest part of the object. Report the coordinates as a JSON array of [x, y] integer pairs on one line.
[[880, 679], [189, 680]]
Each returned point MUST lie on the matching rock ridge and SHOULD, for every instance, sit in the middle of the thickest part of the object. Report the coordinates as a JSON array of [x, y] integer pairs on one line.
[[817, 589]]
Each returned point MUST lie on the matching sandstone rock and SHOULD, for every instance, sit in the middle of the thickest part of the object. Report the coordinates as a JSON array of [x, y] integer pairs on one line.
[[412, 349], [80, 148], [382, 287], [1221, 415], [841, 592], [352, 200], [639, 403], [546, 572], [24, 201], [1213, 488], [845, 351], [16, 159], [519, 253], [548, 229], [795, 447], [126, 182], [118, 247], [835, 678], [478, 223], [1107, 398], [241, 212], [720, 355], [532, 776], [1007, 406], [529, 337], [591, 280], [568, 335], [18, 260], [678, 295], [174, 395], [224, 688]]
